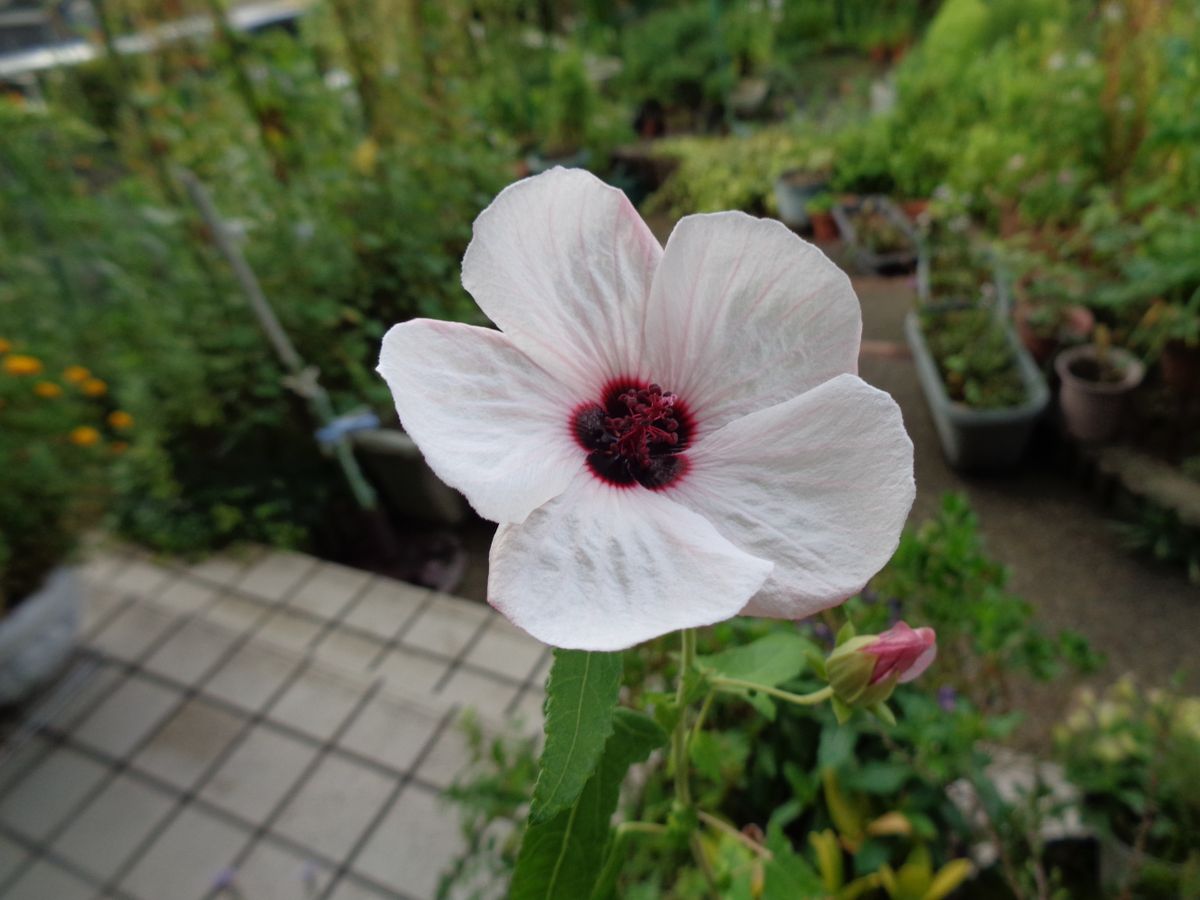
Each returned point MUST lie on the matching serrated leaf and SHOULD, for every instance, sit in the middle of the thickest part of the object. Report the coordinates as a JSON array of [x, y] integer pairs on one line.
[[770, 660], [788, 876], [562, 857], [581, 695]]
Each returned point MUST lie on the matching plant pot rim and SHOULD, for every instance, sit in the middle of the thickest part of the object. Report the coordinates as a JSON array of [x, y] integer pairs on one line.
[[1133, 368]]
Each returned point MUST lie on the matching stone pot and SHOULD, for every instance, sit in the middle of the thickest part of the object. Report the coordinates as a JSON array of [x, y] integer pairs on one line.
[[37, 637], [794, 190], [1093, 409]]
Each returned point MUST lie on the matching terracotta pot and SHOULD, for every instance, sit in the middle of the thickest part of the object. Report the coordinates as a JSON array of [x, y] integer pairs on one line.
[[1093, 409], [1181, 367], [914, 208], [1041, 347], [824, 227]]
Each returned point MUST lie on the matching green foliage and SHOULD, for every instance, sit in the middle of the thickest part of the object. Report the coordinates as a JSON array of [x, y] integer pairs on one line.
[[581, 696], [562, 856], [975, 357], [1134, 754]]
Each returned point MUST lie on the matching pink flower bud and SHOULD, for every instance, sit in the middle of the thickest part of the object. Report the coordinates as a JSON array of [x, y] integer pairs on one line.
[[903, 652]]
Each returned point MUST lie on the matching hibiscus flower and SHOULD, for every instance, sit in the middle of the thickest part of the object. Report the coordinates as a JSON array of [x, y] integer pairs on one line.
[[667, 436]]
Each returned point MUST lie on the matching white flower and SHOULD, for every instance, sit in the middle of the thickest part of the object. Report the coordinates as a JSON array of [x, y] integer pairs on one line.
[[667, 437]]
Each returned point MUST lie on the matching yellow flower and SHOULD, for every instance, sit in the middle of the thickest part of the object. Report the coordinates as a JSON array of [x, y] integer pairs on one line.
[[94, 387], [84, 436], [120, 419], [76, 374], [5, 346], [47, 389], [22, 365]]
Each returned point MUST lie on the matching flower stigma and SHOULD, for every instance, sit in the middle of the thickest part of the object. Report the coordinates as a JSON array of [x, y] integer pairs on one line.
[[637, 435]]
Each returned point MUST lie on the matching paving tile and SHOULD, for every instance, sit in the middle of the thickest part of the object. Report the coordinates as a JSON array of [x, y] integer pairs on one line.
[[446, 626], [289, 630], [528, 714], [103, 836], [236, 613], [390, 732], [349, 650], [386, 606], [415, 842], [275, 574], [99, 604], [480, 692], [255, 777], [411, 672], [354, 791], [507, 650], [18, 759], [12, 855], [191, 652], [251, 676], [186, 859], [225, 568], [317, 703], [132, 632], [141, 578], [273, 872], [328, 589], [102, 566], [189, 743], [45, 796], [119, 723], [46, 881], [79, 690], [351, 889], [185, 595], [447, 759]]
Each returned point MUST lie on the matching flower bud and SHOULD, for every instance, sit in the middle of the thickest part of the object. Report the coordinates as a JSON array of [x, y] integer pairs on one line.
[[865, 670]]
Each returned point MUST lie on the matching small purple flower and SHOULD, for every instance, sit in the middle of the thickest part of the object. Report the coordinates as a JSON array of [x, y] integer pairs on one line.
[[947, 697], [823, 633]]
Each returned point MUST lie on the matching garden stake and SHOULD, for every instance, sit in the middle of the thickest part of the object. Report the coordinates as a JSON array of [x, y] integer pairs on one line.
[[301, 378]]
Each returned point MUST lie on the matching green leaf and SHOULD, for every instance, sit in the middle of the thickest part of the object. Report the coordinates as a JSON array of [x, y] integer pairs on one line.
[[877, 777], [581, 695], [770, 660], [836, 747], [788, 876], [562, 857]]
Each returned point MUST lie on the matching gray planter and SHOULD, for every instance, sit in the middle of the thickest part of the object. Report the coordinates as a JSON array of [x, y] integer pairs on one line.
[[407, 486], [892, 263], [37, 637], [979, 439], [793, 192]]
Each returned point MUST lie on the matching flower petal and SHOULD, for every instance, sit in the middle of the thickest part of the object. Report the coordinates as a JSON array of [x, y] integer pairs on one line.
[[923, 662], [819, 485], [603, 568], [743, 314], [563, 263], [490, 422]]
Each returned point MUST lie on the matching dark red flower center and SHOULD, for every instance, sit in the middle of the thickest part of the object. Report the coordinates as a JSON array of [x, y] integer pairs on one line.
[[636, 435]]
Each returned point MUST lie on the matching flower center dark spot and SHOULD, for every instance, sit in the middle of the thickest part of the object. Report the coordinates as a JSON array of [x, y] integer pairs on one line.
[[636, 435]]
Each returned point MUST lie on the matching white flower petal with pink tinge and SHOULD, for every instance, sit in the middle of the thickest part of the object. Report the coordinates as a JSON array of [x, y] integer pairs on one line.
[[604, 568], [743, 315], [488, 420], [562, 263], [820, 485]]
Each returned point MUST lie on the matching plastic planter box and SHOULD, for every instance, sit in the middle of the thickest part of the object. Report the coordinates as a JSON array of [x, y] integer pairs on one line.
[[894, 263], [979, 439]]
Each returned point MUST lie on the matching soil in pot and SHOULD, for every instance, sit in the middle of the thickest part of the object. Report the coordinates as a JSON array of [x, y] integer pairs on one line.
[[1181, 367]]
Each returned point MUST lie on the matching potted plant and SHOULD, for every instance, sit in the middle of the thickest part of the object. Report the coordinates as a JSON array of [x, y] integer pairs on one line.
[[1047, 312], [984, 391], [796, 187], [820, 216], [1097, 380], [56, 437], [1134, 754], [1173, 331], [879, 234]]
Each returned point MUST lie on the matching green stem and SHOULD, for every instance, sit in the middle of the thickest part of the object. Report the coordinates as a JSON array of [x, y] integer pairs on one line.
[[736, 684], [642, 828], [754, 846], [679, 740]]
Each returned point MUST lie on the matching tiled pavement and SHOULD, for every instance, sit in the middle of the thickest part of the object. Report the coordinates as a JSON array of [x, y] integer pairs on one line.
[[256, 727]]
